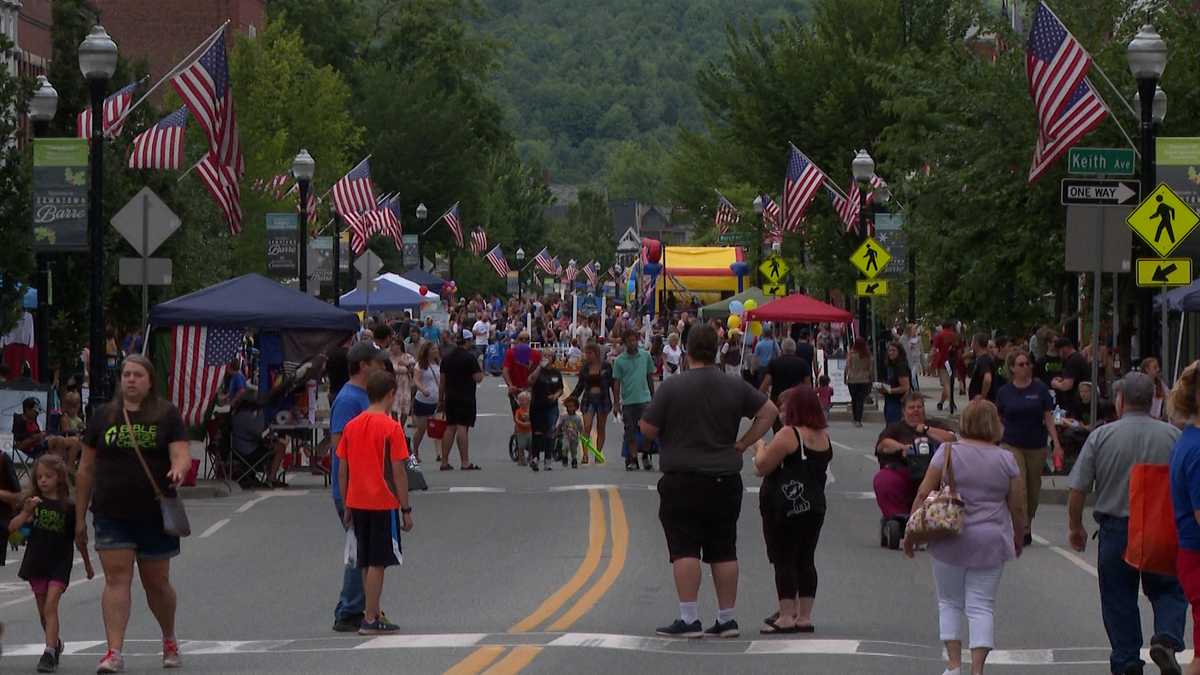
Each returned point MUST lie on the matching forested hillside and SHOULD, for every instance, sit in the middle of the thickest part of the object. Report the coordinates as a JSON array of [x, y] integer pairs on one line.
[[579, 78]]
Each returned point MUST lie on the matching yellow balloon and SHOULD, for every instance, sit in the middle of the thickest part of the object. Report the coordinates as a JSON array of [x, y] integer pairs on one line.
[[755, 328], [734, 322], [750, 304]]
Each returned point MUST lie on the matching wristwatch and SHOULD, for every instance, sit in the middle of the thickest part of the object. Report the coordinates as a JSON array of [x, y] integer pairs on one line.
[[406, 510]]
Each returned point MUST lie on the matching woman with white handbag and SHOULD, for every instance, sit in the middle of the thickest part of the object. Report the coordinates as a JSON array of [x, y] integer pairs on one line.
[[965, 510]]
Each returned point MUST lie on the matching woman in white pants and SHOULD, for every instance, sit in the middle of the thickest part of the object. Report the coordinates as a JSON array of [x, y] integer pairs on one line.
[[967, 567]]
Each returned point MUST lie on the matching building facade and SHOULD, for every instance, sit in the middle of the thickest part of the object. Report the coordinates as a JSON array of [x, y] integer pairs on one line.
[[26, 24]]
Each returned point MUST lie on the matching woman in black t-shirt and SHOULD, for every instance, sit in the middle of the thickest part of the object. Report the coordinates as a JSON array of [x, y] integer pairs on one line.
[[126, 516], [546, 388], [896, 383]]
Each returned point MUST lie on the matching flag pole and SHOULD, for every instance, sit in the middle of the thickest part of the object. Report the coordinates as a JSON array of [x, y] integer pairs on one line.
[[171, 73], [1113, 117], [439, 219]]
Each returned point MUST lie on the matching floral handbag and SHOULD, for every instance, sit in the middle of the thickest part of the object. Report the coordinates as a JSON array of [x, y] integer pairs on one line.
[[943, 513]]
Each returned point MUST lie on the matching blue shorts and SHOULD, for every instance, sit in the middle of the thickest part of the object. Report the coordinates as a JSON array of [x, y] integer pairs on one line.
[[596, 403], [145, 538], [421, 409]]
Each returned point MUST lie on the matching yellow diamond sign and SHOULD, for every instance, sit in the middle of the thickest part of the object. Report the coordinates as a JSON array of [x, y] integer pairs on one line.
[[773, 269], [870, 258], [870, 288], [1163, 220]]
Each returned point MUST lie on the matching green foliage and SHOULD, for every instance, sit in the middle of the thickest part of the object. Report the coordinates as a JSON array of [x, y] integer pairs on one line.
[[586, 234], [16, 258], [580, 78]]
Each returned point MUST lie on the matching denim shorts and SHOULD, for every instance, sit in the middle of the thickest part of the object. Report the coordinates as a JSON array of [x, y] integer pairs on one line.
[[146, 538]]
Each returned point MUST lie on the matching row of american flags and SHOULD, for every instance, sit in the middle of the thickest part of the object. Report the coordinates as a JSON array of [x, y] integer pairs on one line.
[[1066, 104]]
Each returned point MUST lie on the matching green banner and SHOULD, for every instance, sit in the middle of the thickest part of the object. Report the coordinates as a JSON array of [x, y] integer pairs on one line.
[[60, 194], [1177, 163]]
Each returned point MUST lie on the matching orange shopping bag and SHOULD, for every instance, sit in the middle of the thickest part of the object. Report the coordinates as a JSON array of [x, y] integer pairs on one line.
[[1152, 542]]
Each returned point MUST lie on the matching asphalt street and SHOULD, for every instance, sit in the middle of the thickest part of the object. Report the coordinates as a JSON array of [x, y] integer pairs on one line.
[[510, 571]]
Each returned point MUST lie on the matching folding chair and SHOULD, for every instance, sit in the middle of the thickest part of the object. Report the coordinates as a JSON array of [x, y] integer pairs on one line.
[[217, 448], [22, 461], [248, 456]]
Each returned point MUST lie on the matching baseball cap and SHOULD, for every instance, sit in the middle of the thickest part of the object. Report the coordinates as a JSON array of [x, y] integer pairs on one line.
[[365, 351], [31, 402]]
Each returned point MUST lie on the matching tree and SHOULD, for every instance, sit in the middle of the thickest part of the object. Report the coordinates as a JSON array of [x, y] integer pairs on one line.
[[587, 232], [16, 225]]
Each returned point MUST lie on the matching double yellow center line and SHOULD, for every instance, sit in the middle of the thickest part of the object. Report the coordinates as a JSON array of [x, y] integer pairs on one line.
[[520, 657]]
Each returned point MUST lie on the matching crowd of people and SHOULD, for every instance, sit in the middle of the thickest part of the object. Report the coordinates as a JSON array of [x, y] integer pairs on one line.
[[681, 388]]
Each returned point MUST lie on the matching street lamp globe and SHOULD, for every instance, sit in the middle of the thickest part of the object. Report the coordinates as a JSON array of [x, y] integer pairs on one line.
[[520, 254], [1158, 105], [303, 166], [44, 102], [422, 212], [1147, 54], [758, 204], [863, 167], [883, 194], [98, 55]]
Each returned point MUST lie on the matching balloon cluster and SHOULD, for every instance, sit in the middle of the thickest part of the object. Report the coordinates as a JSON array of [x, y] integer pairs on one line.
[[737, 312]]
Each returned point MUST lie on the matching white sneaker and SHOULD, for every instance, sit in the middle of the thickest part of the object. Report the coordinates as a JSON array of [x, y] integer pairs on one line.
[[952, 671]]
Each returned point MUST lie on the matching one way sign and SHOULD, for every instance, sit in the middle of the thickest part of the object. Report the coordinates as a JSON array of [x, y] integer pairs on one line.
[[1084, 192]]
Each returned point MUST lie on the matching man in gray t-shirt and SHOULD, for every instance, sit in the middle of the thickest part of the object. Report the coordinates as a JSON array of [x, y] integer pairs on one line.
[[696, 415], [1105, 462]]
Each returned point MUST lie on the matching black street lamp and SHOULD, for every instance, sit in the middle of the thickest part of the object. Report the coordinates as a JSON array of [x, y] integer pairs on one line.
[[863, 168], [42, 107], [303, 168], [520, 255], [1147, 56], [97, 62], [422, 214]]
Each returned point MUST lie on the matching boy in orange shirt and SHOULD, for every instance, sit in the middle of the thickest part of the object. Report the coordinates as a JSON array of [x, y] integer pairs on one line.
[[371, 476]]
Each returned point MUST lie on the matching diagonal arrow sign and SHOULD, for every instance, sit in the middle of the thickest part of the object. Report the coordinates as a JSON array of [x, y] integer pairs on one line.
[[1163, 274], [871, 288]]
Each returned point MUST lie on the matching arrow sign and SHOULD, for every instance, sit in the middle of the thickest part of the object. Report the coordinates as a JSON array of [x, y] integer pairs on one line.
[[1085, 192], [1163, 274]]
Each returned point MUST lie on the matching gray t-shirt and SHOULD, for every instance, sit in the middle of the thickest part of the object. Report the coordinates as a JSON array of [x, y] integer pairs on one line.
[[1108, 456], [698, 413]]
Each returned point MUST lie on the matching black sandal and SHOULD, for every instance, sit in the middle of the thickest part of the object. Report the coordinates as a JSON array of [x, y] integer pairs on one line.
[[472, 467], [445, 467]]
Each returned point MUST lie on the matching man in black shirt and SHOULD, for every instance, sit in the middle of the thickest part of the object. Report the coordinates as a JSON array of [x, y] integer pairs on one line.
[[805, 349], [460, 377], [983, 371], [1075, 369], [784, 372]]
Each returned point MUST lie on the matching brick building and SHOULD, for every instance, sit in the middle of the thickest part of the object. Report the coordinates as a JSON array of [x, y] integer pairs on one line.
[[27, 24], [165, 31]]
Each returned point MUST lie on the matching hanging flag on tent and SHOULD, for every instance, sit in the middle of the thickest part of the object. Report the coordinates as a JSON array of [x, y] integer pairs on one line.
[[199, 355]]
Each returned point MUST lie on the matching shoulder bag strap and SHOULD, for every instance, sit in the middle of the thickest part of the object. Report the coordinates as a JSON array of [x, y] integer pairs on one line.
[[948, 476], [137, 449]]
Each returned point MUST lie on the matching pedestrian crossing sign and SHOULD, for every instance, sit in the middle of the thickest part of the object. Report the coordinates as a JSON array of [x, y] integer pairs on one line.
[[773, 269], [1163, 220], [870, 288], [870, 258]]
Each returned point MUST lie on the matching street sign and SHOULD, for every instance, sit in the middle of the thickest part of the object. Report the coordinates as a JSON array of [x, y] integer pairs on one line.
[[1164, 272], [1088, 192], [733, 239], [870, 258], [869, 288], [778, 290], [145, 222], [158, 271], [1089, 228], [1100, 162], [369, 266], [773, 269], [1163, 220]]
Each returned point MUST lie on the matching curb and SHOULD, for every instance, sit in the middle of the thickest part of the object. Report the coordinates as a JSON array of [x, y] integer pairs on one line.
[[209, 489]]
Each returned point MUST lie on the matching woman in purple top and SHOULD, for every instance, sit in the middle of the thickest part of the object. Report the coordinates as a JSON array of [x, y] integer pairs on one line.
[[967, 567]]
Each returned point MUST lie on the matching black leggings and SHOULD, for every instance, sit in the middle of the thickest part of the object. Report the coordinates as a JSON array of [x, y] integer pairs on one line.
[[858, 397], [791, 547]]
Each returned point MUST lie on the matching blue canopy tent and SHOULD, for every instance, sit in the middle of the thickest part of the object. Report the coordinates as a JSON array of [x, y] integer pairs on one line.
[[253, 301], [1182, 299], [424, 278], [387, 297]]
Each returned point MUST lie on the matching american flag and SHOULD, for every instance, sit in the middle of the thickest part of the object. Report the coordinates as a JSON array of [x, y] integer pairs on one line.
[[726, 214], [199, 356], [1067, 106], [876, 184], [615, 271], [771, 213], [204, 87], [496, 258], [115, 108], [589, 270], [772, 236], [160, 146], [479, 241], [360, 232], [570, 272], [454, 222], [385, 220], [847, 208], [313, 202], [276, 185], [222, 183], [802, 182], [354, 194], [545, 263]]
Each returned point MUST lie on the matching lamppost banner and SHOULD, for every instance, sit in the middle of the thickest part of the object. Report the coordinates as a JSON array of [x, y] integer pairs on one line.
[[1177, 163], [60, 194], [283, 233]]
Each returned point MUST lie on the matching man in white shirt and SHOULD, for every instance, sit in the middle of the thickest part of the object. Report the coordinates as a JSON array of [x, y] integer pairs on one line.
[[482, 330], [583, 332]]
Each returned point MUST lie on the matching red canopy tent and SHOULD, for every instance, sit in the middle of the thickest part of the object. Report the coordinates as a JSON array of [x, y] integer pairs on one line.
[[799, 308]]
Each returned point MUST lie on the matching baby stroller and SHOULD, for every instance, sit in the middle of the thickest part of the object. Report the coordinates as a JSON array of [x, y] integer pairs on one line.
[[493, 359], [896, 488]]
